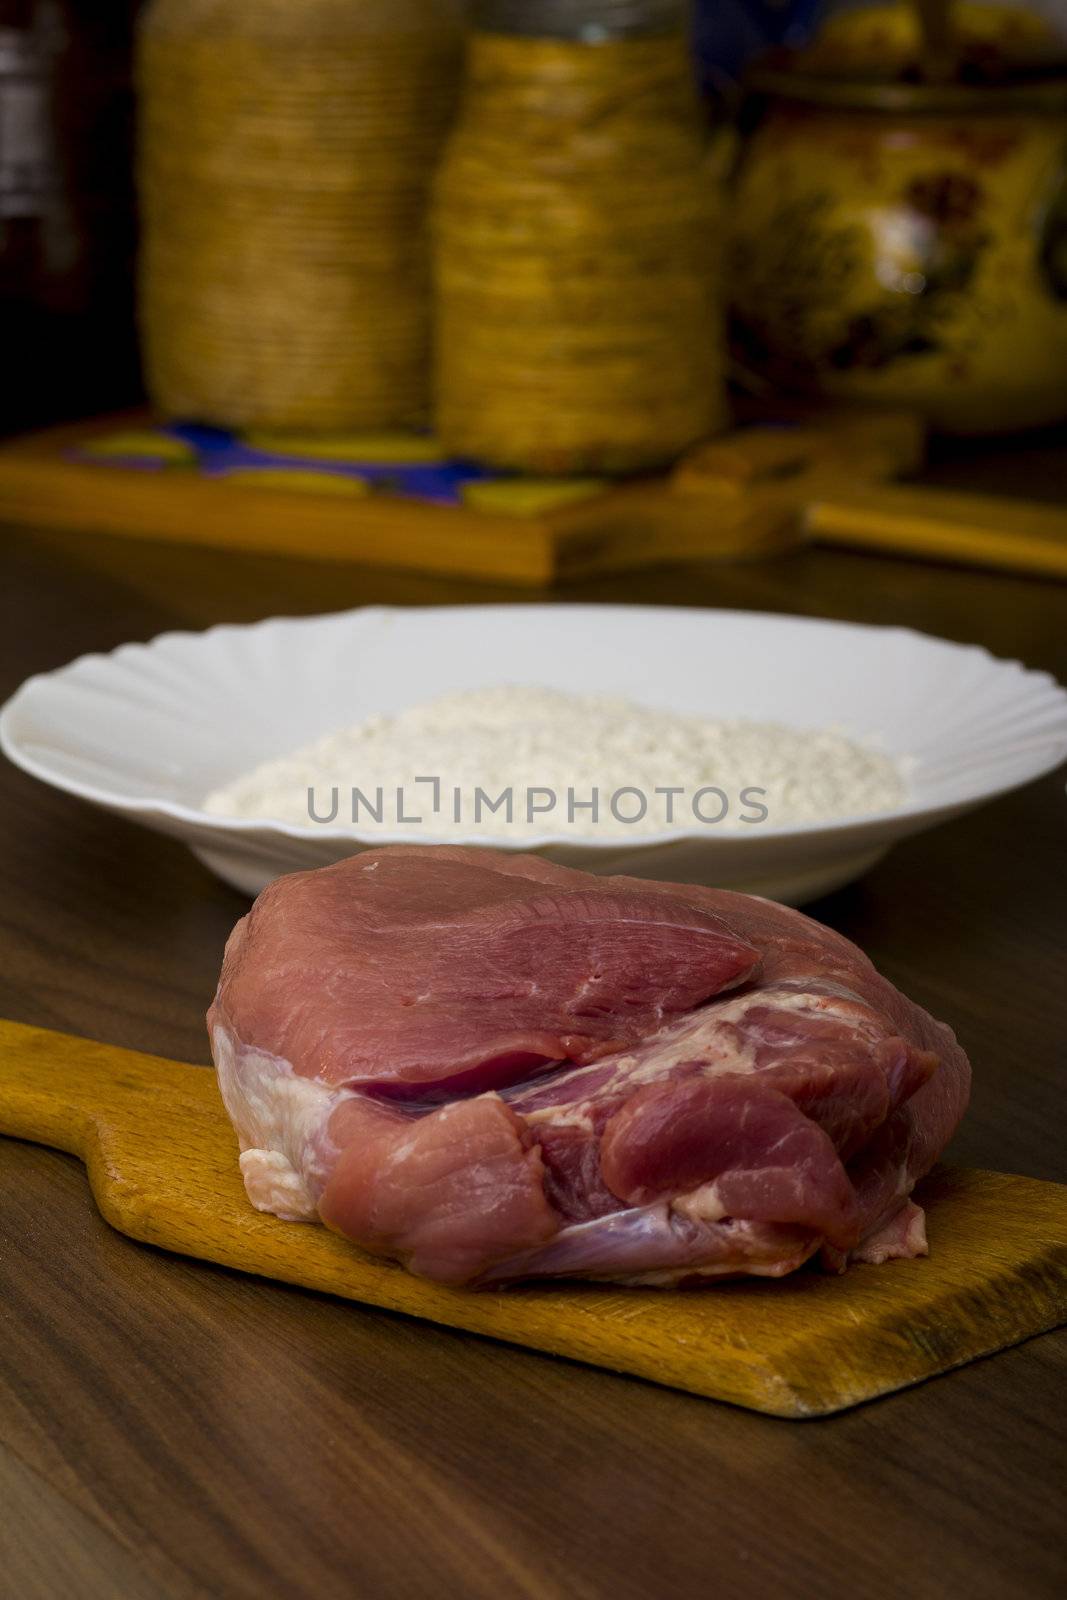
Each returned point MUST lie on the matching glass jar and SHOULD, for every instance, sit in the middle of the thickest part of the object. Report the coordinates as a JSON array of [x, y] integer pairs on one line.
[[66, 209]]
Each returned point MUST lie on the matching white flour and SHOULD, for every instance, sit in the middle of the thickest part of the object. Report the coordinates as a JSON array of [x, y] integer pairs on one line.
[[533, 742]]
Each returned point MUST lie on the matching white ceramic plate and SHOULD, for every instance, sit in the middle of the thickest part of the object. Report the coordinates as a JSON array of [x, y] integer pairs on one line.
[[149, 730]]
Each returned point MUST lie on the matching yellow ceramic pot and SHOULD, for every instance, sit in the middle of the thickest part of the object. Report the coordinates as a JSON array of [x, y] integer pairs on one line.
[[907, 245]]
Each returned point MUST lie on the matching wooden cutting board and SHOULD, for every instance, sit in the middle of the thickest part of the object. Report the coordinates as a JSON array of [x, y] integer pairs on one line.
[[162, 1163]]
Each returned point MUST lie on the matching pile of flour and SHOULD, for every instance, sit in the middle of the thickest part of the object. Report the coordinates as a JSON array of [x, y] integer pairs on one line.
[[534, 743]]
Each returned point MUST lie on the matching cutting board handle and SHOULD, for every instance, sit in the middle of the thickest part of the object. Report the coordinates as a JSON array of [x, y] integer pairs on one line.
[[52, 1085], [64, 1092]]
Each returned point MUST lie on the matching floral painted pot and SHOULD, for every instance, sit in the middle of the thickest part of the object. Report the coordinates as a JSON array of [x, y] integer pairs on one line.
[[906, 246]]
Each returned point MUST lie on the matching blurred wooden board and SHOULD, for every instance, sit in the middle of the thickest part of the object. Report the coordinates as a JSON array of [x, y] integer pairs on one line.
[[303, 497], [162, 1164], [976, 530], [44, 485]]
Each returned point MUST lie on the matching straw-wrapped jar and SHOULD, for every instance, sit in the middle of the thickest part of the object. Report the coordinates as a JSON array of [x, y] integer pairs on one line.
[[575, 243], [286, 148]]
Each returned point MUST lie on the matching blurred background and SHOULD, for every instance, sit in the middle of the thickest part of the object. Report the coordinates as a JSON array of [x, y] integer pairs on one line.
[[67, 209], [522, 239]]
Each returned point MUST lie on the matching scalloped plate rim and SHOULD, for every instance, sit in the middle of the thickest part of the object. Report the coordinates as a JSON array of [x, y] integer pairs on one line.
[[18, 748]]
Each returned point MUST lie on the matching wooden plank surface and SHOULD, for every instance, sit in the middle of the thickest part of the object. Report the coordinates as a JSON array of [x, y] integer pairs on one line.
[[162, 1162], [58, 1549], [255, 1440]]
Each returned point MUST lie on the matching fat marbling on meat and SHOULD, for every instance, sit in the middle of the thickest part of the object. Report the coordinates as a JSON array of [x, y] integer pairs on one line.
[[490, 1067]]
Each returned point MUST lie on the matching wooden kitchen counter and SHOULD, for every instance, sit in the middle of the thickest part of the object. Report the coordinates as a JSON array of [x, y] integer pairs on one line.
[[172, 1429]]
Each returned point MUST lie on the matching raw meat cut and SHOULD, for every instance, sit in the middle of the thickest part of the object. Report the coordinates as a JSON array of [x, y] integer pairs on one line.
[[490, 1067], [424, 977]]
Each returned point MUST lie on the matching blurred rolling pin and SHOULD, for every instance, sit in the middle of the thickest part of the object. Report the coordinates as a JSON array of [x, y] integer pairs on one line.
[[829, 481]]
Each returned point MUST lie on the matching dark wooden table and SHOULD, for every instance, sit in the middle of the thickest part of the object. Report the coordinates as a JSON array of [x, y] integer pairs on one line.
[[172, 1429]]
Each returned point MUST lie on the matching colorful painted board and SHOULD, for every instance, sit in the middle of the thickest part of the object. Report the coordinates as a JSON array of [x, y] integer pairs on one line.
[[395, 501]]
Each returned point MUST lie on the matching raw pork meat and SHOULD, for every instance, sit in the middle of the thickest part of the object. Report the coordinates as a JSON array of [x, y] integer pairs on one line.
[[490, 1067]]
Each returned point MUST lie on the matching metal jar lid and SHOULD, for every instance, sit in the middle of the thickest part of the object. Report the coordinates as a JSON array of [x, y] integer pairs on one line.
[[586, 20]]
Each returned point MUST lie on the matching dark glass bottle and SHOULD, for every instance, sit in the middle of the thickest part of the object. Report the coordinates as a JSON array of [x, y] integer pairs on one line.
[[66, 209]]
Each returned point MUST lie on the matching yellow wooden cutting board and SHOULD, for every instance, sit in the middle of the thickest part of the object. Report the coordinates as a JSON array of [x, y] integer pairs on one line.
[[162, 1163]]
